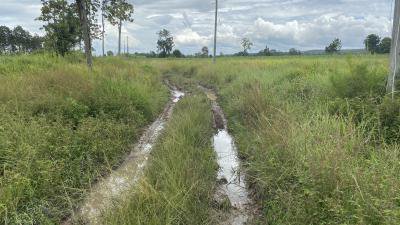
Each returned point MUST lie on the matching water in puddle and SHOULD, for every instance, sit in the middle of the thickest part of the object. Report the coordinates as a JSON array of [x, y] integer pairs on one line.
[[234, 186], [228, 162]]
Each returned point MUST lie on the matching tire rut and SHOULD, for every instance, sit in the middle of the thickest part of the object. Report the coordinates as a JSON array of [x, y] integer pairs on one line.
[[122, 180]]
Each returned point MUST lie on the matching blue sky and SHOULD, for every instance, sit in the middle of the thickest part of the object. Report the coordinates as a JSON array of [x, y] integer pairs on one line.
[[280, 24]]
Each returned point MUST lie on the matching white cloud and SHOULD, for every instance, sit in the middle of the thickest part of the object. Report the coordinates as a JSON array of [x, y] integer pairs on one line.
[[320, 31], [188, 37], [303, 24]]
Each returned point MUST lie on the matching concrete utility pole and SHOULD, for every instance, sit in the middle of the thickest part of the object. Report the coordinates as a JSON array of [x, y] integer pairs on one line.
[[124, 47], [395, 51], [127, 45], [215, 31]]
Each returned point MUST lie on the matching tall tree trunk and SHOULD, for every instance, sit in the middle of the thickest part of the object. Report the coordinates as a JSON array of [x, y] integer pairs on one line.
[[119, 37], [102, 24], [85, 31]]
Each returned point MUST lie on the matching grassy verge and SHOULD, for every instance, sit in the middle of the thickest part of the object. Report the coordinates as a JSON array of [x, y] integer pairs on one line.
[[318, 137], [61, 127], [178, 184]]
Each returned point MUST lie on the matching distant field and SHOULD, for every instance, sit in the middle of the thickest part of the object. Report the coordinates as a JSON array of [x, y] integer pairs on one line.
[[318, 138]]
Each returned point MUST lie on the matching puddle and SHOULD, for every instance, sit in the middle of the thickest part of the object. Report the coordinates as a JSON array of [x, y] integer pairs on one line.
[[229, 165], [121, 181], [232, 182]]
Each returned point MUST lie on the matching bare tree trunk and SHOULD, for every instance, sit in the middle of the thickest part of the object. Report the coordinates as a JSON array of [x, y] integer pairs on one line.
[[119, 37], [85, 31]]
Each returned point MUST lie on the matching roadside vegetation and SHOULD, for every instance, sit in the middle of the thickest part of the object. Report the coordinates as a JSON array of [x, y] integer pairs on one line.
[[178, 185], [317, 135], [62, 127]]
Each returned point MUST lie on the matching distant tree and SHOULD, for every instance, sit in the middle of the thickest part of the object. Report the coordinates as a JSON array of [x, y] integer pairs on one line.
[[204, 51], [152, 54], [372, 43], [118, 11], [62, 25], [177, 54], [35, 43], [265, 52], [294, 51], [110, 53], [20, 39], [334, 47], [246, 45], [5, 38], [165, 43], [385, 45]]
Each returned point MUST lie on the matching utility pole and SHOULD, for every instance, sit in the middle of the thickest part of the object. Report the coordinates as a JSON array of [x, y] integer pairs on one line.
[[395, 51], [215, 31], [124, 47], [127, 45]]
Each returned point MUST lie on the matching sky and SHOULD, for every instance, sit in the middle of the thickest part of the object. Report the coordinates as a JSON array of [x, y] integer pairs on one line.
[[279, 24]]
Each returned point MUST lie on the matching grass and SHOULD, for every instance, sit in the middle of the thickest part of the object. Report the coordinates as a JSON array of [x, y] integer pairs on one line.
[[317, 135], [61, 127], [179, 182]]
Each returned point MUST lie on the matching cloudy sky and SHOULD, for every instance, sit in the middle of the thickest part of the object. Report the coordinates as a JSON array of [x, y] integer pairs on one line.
[[280, 24]]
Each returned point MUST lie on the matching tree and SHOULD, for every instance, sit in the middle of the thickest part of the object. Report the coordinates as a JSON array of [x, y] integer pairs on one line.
[[110, 53], [62, 25], [385, 45], [265, 52], [177, 54], [5, 38], [165, 43], [246, 45], [334, 47], [118, 11], [294, 51], [204, 51], [20, 39], [81, 4], [372, 43]]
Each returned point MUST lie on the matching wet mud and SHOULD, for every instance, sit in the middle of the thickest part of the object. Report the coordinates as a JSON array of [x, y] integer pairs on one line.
[[231, 182]]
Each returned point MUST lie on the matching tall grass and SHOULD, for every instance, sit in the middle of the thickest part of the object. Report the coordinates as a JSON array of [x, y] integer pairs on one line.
[[61, 127], [317, 135], [179, 182]]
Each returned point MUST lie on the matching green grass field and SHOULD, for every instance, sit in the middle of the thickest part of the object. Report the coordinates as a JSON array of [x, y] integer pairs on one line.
[[62, 127], [317, 136]]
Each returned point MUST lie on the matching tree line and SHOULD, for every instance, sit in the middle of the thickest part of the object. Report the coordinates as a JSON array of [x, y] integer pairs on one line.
[[18, 40], [68, 25]]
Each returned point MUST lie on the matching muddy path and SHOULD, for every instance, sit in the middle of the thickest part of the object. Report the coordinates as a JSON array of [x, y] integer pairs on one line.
[[121, 181], [231, 181]]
